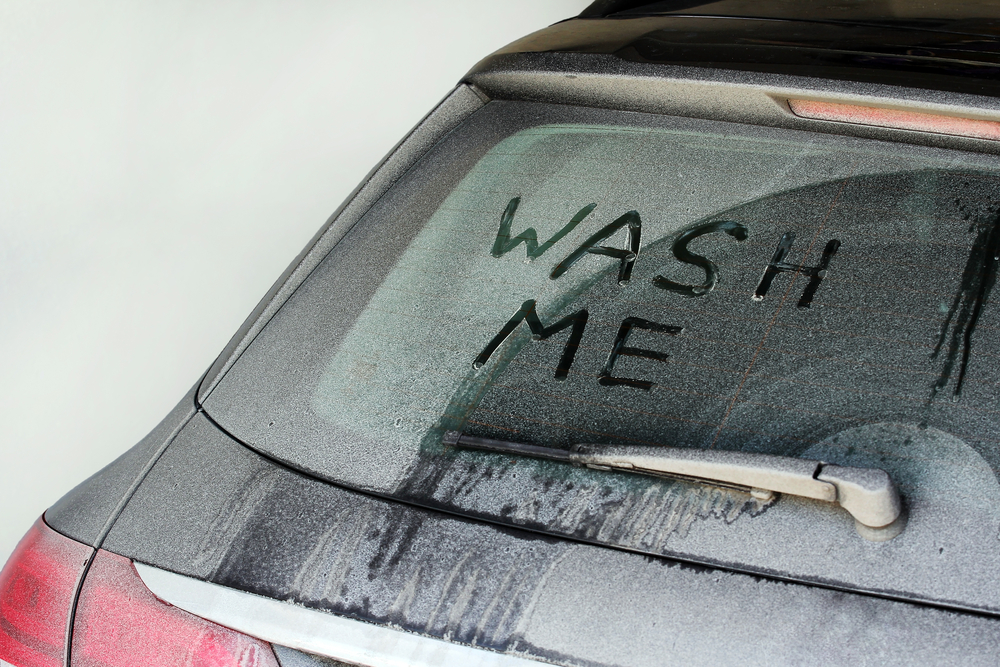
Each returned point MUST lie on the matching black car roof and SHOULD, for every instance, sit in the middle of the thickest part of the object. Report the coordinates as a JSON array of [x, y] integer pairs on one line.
[[921, 13], [952, 47]]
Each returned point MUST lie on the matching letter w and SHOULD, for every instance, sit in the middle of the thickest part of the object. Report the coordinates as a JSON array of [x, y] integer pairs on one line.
[[527, 313], [505, 242]]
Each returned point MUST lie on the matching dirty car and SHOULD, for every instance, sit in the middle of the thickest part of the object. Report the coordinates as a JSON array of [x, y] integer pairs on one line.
[[668, 337]]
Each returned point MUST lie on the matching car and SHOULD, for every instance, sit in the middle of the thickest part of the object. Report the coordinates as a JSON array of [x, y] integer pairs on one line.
[[667, 337]]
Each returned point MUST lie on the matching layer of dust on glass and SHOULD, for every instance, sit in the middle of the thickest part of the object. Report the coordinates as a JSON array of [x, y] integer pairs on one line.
[[552, 276], [608, 284]]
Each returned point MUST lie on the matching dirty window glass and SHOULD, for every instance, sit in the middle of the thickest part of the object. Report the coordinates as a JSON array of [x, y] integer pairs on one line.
[[626, 279], [686, 288]]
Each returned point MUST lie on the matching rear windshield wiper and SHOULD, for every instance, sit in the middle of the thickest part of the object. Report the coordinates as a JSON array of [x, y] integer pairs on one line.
[[867, 493]]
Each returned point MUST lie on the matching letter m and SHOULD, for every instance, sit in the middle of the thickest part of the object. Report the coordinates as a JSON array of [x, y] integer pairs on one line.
[[527, 313]]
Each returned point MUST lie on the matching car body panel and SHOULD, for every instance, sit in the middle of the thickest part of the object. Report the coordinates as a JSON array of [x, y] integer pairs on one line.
[[214, 510], [905, 56], [86, 513], [289, 657]]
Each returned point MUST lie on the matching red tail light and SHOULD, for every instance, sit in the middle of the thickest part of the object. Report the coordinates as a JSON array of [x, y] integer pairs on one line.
[[120, 623], [36, 595]]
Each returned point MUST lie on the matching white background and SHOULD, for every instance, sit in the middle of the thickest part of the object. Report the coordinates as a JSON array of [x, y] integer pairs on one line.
[[160, 165]]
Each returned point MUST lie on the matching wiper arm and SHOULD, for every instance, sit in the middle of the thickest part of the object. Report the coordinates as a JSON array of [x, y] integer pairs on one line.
[[867, 493]]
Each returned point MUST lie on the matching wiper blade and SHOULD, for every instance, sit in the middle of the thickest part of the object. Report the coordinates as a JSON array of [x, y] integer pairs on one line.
[[867, 493], [457, 439]]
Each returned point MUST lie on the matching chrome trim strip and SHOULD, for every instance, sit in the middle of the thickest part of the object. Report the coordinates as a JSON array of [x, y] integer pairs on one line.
[[316, 632]]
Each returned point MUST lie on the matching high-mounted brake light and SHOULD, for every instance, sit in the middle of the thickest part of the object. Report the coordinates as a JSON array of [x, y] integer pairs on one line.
[[120, 623], [36, 595], [896, 119]]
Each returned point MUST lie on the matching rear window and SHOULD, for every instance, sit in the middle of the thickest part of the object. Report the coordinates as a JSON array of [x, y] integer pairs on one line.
[[552, 276]]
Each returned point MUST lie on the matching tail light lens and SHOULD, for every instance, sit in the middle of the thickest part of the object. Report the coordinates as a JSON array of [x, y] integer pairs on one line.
[[120, 623], [36, 596]]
